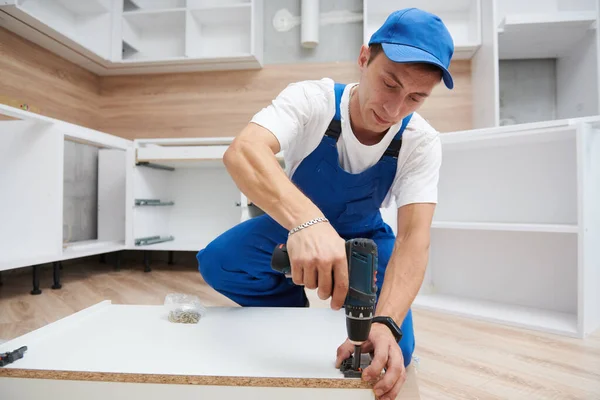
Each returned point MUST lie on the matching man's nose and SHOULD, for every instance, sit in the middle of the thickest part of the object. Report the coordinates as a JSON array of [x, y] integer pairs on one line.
[[392, 108]]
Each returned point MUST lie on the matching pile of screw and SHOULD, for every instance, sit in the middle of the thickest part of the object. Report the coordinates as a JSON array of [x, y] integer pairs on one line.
[[184, 316]]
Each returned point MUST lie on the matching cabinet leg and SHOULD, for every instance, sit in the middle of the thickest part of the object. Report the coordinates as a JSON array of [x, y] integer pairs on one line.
[[147, 261], [36, 280], [56, 267], [171, 258], [118, 261]]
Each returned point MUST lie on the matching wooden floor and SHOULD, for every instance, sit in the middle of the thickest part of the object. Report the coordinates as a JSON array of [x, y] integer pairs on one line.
[[457, 358]]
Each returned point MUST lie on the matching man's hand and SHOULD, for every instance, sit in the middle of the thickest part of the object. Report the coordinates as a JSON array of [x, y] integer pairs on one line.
[[386, 355], [318, 260]]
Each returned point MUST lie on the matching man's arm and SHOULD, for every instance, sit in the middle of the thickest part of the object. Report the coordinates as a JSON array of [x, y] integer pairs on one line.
[[251, 162], [407, 264], [317, 254]]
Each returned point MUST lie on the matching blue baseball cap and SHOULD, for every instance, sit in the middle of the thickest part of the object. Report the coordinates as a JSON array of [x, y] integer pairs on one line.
[[414, 35]]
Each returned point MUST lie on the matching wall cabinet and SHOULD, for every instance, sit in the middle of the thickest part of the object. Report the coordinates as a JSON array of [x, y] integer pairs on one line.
[[514, 237], [113, 37], [500, 36]]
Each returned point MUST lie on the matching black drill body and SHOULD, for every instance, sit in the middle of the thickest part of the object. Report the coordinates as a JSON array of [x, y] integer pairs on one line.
[[359, 305]]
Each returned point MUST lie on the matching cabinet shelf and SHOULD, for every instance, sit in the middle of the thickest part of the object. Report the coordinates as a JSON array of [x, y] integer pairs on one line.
[[151, 11], [157, 35], [153, 4], [153, 203], [219, 31], [529, 36], [506, 227], [90, 247], [150, 240], [522, 317]]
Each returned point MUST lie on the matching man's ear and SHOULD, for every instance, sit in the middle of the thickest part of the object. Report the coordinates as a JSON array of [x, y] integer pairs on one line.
[[363, 57]]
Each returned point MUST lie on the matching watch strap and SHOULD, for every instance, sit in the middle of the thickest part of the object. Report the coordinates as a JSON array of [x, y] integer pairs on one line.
[[391, 324]]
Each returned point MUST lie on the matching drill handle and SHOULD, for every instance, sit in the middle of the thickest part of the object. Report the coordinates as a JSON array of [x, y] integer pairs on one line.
[[280, 260]]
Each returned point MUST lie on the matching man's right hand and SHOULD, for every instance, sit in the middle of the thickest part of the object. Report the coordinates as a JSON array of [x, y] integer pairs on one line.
[[318, 260]]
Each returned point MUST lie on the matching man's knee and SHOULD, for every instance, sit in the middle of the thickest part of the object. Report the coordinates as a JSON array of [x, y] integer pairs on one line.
[[210, 260]]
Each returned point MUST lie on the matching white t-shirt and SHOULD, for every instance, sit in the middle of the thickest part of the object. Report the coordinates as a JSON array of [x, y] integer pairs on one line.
[[301, 113]]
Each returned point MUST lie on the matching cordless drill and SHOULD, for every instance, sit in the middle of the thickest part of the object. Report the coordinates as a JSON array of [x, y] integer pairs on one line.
[[359, 305]]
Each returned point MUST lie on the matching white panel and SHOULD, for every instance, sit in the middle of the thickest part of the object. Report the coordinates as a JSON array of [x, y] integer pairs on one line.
[[589, 189], [206, 204], [222, 32], [530, 269], [507, 7], [111, 194], [525, 183], [87, 23], [577, 5], [231, 338], [542, 35], [31, 167], [577, 80], [214, 3], [35, 389], [156, 35], [519, 316], [485, 72], [171, 152], [527, 91]]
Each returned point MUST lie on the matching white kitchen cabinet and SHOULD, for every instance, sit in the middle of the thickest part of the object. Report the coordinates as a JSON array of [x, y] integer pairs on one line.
[[112, 37], [32, 162], [189, 175], [84, 26], [516, 230]]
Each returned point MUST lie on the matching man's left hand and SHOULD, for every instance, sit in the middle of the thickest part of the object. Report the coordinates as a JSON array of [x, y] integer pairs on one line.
[[386, 355]]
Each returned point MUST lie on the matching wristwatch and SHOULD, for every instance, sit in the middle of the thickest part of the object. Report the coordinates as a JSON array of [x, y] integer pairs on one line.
[[390, 323]]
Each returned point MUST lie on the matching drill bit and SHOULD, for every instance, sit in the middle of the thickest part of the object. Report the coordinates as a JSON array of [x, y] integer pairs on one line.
[[356, 361]]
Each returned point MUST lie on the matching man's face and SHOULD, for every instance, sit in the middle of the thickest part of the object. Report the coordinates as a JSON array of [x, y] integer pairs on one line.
[[389, 91]]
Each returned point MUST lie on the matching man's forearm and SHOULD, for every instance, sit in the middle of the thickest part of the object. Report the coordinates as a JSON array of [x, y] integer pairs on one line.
[[255, 170], [403, 277]]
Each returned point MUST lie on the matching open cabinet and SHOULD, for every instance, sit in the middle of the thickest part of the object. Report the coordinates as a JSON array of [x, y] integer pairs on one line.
[[37, 196], [516, 230]]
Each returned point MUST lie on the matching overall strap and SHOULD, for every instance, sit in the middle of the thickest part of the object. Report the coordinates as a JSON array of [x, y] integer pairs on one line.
[[335, 126], [394, 148]]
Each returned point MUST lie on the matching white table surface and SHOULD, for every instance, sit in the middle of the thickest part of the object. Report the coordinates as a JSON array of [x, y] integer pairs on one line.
[[229, 342]]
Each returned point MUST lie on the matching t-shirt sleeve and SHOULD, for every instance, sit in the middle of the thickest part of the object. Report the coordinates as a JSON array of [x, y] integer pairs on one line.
[[418, 181], [287, 114]]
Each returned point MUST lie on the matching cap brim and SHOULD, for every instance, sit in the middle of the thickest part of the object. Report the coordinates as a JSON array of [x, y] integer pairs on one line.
[[405, 54]]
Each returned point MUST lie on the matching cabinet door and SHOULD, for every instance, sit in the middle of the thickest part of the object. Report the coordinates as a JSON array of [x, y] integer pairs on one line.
[[31, 166]]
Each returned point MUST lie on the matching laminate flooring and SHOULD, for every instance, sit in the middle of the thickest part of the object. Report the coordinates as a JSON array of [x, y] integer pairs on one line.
[[456, 358]]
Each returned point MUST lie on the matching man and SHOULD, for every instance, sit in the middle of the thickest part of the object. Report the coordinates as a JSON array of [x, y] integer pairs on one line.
[[349, 150]]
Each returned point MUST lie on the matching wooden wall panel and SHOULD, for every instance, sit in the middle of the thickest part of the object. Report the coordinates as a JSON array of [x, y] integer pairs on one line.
[[50, 85], [197, 104], [221, 103]]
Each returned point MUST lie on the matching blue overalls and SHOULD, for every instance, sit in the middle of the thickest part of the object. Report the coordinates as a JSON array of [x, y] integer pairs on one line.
[[238, 262]]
